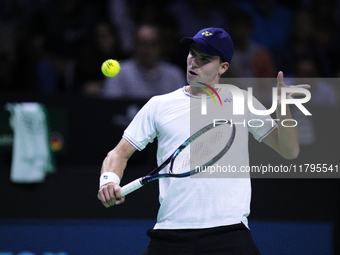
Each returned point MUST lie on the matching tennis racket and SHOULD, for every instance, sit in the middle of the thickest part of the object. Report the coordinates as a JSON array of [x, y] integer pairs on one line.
[[204, 148]]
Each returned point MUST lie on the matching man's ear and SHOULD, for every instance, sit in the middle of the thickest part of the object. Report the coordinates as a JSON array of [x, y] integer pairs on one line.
[[224, 67]]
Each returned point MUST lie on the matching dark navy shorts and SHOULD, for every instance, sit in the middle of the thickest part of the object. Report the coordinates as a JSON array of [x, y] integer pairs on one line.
[[234, 239]]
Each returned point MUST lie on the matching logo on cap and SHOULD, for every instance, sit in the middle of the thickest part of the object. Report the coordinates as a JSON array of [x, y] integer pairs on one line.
[[207, 33]]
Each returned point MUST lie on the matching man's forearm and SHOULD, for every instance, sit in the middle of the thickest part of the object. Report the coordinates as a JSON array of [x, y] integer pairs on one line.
[[288, 139], [114, 163]]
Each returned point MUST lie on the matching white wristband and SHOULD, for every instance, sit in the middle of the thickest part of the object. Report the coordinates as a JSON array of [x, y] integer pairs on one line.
[[108, 177]]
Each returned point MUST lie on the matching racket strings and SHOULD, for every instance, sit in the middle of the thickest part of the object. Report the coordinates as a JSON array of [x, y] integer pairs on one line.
[[202, 149]]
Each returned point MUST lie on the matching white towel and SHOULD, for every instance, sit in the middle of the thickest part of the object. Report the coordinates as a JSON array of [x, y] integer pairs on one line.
[[32, 158]]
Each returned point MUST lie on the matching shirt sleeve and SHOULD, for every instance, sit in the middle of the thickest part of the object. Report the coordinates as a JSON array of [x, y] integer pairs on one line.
[[142, 129]]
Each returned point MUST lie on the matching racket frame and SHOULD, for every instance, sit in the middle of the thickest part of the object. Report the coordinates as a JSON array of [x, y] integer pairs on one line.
[[136, 184]]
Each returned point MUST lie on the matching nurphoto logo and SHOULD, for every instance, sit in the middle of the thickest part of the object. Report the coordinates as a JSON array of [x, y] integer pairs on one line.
[[238, 100]]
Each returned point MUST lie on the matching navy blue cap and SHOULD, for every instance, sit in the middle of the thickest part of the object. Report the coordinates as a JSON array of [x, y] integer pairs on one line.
[[213, 41]]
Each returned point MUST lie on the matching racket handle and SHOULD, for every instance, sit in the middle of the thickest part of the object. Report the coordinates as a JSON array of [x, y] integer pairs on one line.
[[132, 186]]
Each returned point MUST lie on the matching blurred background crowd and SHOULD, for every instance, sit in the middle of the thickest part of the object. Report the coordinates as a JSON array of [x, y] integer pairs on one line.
[[56, 47]]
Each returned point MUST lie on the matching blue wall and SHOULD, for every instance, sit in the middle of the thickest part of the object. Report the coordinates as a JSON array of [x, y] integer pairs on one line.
[[72, 237], [292, 238]]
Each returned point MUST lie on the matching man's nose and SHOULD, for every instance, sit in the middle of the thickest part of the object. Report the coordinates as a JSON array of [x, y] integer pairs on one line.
[[194, 63]]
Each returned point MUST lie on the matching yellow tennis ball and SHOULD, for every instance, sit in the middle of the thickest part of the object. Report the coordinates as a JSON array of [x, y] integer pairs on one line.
[[110, 68]]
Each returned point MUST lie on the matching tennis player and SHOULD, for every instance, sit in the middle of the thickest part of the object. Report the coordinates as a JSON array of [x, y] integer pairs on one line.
[[198, 215]]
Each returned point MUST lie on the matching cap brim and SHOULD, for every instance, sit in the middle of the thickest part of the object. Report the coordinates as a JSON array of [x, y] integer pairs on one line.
[[204, 46], [187, 41]]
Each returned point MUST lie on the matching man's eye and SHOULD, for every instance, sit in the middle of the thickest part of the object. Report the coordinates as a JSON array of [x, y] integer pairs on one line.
[[205, 60]]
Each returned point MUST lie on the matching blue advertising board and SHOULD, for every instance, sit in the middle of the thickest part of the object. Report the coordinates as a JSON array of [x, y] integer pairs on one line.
[[91, 236]]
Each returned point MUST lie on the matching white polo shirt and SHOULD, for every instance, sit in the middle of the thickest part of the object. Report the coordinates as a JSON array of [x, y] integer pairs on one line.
[[199, 201]]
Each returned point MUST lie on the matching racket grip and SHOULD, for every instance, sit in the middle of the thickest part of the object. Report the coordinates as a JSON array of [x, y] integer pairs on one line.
[[132, 186]]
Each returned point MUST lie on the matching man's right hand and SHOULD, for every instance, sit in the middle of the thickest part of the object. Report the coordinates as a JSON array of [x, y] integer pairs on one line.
[[110, 195]]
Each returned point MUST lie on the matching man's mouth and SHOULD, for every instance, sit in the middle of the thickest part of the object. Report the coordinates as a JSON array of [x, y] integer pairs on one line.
[[192, 73]]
